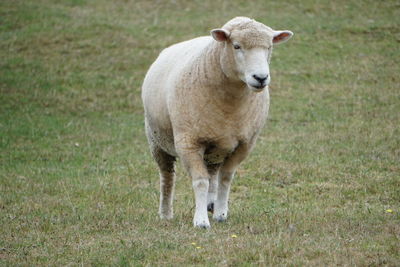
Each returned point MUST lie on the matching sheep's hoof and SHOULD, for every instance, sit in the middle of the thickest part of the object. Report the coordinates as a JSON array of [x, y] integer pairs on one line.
[[166, 215], [220, 218], [203, 226], [210, 207]]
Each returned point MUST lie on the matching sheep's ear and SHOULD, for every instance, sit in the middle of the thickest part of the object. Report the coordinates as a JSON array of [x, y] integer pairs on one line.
[[220, 35], [281, 36]]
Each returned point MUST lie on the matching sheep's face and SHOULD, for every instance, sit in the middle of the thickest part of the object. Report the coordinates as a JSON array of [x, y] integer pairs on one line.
[[247, 52]]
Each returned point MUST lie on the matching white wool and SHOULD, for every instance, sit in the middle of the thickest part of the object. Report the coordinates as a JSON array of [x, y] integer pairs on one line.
[[206, 101]]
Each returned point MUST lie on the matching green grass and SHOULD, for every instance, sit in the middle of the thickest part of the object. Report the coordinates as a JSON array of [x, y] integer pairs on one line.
[[79, 187]]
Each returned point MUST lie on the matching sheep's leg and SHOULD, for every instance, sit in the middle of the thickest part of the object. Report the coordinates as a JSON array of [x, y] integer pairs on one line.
[[221, 204], [225, 178], [212, 188], [167, 181], [212, 193], [193, 162]]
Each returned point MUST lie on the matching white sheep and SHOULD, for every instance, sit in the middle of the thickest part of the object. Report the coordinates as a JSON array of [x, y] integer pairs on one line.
[[205, 102]]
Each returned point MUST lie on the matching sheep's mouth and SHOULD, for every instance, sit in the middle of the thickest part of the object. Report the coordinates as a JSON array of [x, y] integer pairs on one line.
[[257, 88], [260, 86]]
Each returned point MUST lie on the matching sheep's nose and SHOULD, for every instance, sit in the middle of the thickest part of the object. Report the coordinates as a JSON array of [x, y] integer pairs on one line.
[[260, 78]]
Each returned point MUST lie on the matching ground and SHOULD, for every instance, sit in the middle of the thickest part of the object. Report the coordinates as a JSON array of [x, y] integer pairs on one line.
[[78, 185]]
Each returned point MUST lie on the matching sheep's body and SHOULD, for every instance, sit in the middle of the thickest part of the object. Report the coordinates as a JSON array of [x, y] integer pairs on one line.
[[197, 108], [189, 105]]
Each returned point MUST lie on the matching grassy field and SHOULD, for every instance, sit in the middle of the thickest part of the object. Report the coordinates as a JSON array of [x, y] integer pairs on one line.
[[78, 185]]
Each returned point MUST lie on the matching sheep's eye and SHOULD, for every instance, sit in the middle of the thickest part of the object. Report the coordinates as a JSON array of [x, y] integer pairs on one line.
[[236, 46]]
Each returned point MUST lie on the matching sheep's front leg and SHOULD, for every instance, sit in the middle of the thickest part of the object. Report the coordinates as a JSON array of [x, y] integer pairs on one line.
[[193, 161], [221, 204], [225, 178]]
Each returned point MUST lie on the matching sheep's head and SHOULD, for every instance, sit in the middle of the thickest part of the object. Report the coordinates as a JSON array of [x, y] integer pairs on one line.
[[247, 49]]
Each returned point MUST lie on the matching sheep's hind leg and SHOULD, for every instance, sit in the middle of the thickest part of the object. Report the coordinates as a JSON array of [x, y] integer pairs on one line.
[[167, 182], [213, 170]]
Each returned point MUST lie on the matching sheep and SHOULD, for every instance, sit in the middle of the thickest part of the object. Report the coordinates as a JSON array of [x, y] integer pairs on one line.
[[205, 101]]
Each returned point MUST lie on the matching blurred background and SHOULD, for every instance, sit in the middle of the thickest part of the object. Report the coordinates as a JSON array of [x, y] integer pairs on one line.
[[78, 185]]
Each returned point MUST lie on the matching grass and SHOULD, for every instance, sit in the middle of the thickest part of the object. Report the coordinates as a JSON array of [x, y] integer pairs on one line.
[[79, 187]]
